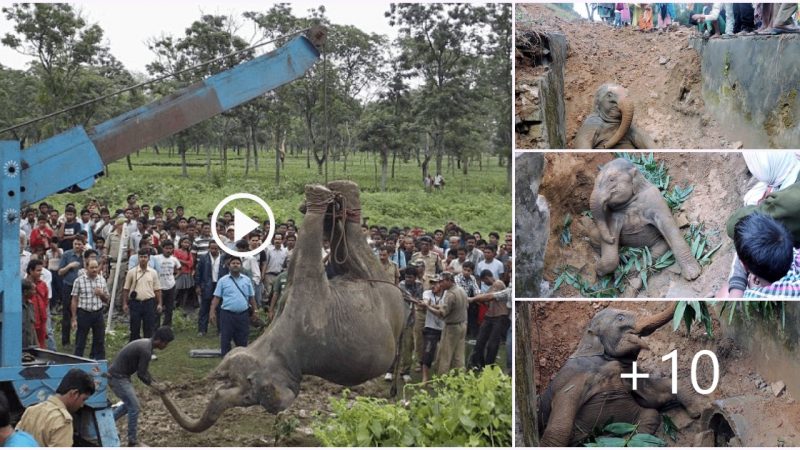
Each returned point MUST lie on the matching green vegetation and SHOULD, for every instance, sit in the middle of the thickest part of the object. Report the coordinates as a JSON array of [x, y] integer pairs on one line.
[[750, 309], [457, 410], [622, 434], [566, 234], [656, 173], [478, 201], [691, 311]]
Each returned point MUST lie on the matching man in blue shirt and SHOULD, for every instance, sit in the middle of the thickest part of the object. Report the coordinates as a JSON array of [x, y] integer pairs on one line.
[[8, 436], [236, 294], [68, 271]]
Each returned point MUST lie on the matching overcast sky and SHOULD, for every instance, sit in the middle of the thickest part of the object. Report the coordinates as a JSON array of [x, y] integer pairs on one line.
[[128, 25]]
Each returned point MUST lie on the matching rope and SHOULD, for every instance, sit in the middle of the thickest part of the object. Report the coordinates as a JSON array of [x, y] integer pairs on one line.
[[342, 238], [152, 81]]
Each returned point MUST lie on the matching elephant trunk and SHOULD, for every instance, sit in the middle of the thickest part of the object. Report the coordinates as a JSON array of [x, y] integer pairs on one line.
[[224, 399], [626, 108], [648, 325], [597, 204]]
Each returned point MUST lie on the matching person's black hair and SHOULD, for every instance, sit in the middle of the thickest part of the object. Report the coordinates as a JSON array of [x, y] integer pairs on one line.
[[145, 205], [119, 211], [491, 247], [242, 244], [76, 379], [157, 208], [32, 265], [144, 251], [486, 273], [89, 252], [168, 243], [5, 411], [41, 217], [180, 207], [104, 210], [480, 242], [495, 234], [70, 209], [164, 334], [84, 211], [411, 271], [232, 257], [468, 265], [130, 196], [764, 245]]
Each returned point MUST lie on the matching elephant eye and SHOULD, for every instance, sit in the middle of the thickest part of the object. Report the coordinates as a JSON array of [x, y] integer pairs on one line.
[[620, 317]]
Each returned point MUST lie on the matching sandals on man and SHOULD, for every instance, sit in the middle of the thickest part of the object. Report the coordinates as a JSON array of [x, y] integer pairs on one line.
[[779, 30]]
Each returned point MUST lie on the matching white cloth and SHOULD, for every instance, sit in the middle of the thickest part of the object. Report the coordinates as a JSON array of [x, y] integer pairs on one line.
[[774, 169], [431, 320], [47, 277]]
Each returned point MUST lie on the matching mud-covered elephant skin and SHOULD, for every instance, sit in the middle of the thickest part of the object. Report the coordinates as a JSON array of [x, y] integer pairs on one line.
[[589, 392], [610, 125], [630, 211]]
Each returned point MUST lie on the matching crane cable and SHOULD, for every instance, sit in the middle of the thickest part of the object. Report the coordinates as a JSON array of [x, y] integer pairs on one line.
[[151, 81]]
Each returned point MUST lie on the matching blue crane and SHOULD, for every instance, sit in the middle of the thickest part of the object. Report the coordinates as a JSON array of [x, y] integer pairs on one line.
[[75, 157]]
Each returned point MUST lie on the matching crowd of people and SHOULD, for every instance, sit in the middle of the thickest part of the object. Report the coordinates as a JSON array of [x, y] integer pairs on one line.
[[711, 19], [147, 262]]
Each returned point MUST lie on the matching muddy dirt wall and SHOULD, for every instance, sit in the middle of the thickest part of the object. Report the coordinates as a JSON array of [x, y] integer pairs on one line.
[[539, 100], [752, 82], [777, 353]]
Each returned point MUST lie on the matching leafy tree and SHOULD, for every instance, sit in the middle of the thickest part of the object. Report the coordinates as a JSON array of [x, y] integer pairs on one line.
[[63, 47]]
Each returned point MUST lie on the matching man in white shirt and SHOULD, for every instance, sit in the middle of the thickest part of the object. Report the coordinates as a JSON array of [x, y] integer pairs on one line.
[[167, 266], [276, 255]]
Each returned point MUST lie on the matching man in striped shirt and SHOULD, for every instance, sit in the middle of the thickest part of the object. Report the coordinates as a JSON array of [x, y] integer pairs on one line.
[[89, 295]]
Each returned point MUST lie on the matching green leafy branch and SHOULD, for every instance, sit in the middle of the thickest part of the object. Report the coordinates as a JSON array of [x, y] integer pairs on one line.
[[623, 435], [656, 173], [690, 311]]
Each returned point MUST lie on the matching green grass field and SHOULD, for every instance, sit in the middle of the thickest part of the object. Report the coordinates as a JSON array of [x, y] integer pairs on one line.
[[479, 201]]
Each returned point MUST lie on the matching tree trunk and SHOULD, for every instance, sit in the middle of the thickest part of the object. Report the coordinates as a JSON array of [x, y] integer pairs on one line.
[[208, 160], [184, 172], [155, 147], [247, 157], [394, 160], [525, 375], [384, 166], [255, 146], [278, 150], [128, 159]]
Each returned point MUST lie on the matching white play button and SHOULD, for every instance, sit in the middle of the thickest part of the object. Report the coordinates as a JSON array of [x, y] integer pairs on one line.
[[242, 224]]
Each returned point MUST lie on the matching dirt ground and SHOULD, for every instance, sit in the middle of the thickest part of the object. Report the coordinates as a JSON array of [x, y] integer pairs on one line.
[[240, 427], [719, 181], [660, 70], [772, 421]]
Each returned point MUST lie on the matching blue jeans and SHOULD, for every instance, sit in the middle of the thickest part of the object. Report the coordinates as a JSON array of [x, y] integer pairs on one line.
[[234, 326], [123, 388]]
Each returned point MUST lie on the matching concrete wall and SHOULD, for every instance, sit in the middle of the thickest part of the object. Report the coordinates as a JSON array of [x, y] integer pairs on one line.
[[775, 351], [539, 102], [750, 84]]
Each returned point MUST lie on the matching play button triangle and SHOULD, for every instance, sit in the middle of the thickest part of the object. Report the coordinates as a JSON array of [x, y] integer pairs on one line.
[[242, 224]]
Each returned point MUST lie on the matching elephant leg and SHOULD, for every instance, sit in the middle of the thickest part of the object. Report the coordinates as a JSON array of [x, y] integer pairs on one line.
[[306, 269], [609, 253], [659, 248], [351, 251], [649, 421], [657, 393], [690, 268]]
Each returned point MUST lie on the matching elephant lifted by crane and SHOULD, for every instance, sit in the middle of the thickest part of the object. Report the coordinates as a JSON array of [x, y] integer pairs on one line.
[[344, 329]]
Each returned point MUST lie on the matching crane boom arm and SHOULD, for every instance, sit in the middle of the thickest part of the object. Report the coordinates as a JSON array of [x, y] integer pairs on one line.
[[75, 156]]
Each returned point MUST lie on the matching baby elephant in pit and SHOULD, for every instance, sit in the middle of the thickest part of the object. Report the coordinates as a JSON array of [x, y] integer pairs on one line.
[[589, 392], [610, 124], [630, 211]]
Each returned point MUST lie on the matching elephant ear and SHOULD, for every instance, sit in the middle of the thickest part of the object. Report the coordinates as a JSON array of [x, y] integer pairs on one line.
[[640, 183], [590, 345]]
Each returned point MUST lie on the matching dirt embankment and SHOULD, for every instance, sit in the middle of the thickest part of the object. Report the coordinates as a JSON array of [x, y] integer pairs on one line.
[[660, 70], [719, 180], [773, 421]]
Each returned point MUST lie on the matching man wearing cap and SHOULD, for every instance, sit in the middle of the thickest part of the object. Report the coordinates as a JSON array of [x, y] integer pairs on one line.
[[454, 313], [236, 295]]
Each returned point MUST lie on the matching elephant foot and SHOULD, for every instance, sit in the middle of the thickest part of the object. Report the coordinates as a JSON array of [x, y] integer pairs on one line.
[[318, 198], [350, 192], [691, 270], [604, 268]]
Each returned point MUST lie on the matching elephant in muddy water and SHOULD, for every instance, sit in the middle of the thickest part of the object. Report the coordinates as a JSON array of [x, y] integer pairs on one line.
[[630, 211], [344, 329], [610, 124], [588, 392]]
